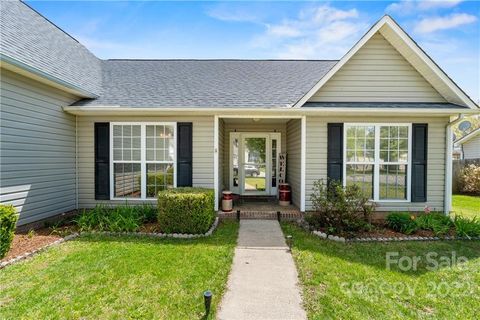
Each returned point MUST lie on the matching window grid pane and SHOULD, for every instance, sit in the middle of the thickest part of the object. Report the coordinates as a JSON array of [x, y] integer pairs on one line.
[[126, 143], [360, 144], [159, 158], [159, 178], [394, 144], [160, 143], [393, 182], [361, 175], [127, 180], [390, 163]]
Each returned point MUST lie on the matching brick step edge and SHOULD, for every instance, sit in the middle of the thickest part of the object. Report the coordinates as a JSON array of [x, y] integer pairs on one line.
[[137, 234], [268, 215]]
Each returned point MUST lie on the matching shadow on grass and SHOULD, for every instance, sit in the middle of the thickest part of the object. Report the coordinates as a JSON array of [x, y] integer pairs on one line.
[[375, 254]]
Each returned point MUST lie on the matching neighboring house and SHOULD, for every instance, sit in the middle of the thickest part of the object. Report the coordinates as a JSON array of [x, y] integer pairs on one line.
[[470, 145], [77, 131]]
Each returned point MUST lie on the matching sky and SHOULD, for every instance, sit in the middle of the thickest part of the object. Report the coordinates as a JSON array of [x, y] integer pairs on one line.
[[448, 30]]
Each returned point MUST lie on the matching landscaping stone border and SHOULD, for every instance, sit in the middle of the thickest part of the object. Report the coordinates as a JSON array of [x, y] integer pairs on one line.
[[303, 224], [139, 234], [323, 235], [34, 252], [158, 234]]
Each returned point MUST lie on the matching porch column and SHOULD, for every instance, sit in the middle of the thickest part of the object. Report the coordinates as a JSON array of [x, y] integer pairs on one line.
[[303, 149], [215, 160]]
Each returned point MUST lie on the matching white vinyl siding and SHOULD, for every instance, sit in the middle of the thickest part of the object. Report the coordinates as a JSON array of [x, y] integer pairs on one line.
[[37, 148], [316, 159], [423, 68], [471, 148], [294, 154], [202, 171], [377, 73]]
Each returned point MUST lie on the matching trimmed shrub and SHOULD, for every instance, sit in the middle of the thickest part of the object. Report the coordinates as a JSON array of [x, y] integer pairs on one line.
[[8, 221], [471, 179], [186, 210], [466, 227], [116, 219], [402, 222], [338, 208], [439, 223]]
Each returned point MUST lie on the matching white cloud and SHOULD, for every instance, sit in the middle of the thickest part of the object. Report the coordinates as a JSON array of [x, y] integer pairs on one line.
[[427, 4], [321, 31], [284, 30], [327, 13], [432, 24], [406, 7], [235, 13]]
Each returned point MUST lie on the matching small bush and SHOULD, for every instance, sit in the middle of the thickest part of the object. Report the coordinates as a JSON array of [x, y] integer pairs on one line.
[[466, 227], [8, 221], [186, 210], [124, 218], [471, 179], [402, 222], [149, 212], [439, 223], [339, 208]]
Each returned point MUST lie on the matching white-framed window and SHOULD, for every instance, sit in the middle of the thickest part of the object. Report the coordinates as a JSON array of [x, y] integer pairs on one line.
[[142, 159], [377, 157]]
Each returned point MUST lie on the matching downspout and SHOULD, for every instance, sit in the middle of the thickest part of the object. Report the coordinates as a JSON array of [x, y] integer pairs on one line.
[[447, 203], [76, 162]]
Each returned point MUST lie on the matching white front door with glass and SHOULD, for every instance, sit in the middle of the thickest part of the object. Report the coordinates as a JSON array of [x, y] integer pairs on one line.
[[254, 163]]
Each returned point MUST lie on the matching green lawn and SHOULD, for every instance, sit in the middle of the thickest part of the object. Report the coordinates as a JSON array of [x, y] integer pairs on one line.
[[257, 183], [468, 206], [100, 277], [351, 281]]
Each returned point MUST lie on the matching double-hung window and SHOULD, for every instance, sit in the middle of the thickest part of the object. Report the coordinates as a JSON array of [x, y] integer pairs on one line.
[[377, 159], [143, 159]]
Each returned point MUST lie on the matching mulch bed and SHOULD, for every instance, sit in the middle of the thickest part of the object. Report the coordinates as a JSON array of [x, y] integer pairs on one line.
[[381, 231], [30, 241]]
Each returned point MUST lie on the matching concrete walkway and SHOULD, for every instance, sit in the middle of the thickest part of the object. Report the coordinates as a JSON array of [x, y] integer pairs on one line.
[[263, 280]]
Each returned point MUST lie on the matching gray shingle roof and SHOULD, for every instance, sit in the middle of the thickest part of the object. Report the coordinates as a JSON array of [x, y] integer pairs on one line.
[[29, 38], [207, 83], [416, 105]]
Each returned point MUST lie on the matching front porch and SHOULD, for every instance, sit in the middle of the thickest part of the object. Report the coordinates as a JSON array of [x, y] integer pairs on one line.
[[260, 208], [253, 156]]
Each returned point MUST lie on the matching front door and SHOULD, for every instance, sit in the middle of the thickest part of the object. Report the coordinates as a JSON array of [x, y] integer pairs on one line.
[[254, 163]]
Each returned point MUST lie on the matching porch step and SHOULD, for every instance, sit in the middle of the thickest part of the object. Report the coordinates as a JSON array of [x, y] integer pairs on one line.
[[286, 215]]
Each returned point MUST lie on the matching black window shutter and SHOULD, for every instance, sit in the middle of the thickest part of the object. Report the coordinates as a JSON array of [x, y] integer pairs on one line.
[[419, 162], [184, 154], [335, 152], [102, 161]]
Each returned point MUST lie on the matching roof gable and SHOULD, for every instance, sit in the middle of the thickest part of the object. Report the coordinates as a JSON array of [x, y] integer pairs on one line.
[[468, 137], [411, 52], [377, 72]]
